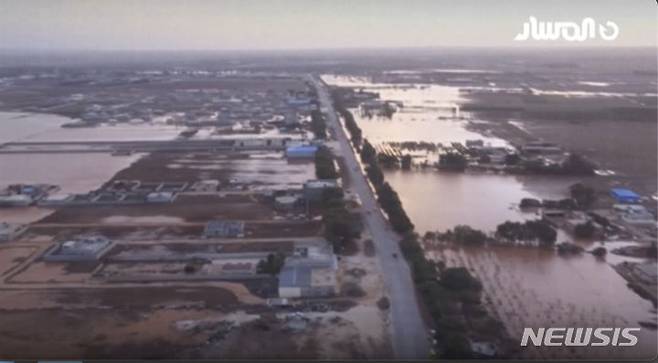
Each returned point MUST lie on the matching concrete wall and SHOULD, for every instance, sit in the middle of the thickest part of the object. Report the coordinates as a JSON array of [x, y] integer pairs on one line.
[[318, 291], [290, 292]]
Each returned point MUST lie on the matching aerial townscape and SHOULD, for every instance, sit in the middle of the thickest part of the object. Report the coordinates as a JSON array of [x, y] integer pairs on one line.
[[335, 205]]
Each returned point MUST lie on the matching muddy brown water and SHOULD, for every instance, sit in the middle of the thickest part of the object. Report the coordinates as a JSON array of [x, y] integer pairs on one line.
[[524, 286]]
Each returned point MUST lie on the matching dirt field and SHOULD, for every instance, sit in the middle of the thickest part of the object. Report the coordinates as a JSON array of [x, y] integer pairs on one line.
[[619, 134], [199, 209], [93, 333], [101, 323], [629, 148], [153, 168], [12, 256], [324, 336], [172, 231]]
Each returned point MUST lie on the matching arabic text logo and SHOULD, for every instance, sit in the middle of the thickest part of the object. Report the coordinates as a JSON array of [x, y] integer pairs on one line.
[[567, 30]]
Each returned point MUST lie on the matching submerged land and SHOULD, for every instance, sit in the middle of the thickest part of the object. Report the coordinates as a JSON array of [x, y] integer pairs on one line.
[[331, 205]]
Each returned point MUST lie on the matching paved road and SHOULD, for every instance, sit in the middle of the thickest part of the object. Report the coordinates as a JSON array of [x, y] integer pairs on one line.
[[408, 329]]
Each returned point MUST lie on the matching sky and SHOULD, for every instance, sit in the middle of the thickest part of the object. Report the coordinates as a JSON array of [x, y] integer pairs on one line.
[[303, 24]]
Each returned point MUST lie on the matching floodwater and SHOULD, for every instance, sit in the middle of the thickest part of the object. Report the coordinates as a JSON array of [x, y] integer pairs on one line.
[[119, 132], [429, 113], [15, 126], [31, 127], [531, 287], [419, 126], [441, 200], [24, 215], [260, 169], [523, 286], [73, 173]]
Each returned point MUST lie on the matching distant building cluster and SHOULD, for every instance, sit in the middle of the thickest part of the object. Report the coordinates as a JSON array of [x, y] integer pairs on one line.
[[83, 248], [224, 229]]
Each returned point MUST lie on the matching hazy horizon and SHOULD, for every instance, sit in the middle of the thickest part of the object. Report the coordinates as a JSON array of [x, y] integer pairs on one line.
[[250, 25]]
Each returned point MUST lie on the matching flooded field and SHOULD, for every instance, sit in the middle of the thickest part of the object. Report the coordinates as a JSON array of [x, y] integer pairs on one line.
[[24, 214], [528, 287], [15, 126], [109, 132], [439, 201], [31, 127], [256, 169], [524, 287], [73, 173]]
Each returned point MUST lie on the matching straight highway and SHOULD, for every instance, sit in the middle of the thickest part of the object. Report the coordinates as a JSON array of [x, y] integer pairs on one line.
[[410, 338]]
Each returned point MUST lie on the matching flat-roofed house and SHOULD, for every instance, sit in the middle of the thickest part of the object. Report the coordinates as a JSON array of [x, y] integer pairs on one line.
[[623, 195]]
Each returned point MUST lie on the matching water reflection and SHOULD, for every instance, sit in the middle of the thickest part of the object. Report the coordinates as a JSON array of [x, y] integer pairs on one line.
[[524, 286], [531, 287], [15, 126], [441, 200]]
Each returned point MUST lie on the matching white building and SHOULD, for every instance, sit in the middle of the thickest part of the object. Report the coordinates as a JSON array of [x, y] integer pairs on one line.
[[311, 272], [10, 232]]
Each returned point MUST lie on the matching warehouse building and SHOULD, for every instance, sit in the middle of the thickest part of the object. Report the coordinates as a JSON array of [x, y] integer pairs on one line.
[[84, 248], [224, 229], [301, 152], [314, 189], [310, 272]]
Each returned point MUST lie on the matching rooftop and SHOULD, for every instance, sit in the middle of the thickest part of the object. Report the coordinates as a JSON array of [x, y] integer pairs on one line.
[[302, 147], [321, 183], [286, 199], [624, 193], [80, 248], [295, 276], [225, 228]]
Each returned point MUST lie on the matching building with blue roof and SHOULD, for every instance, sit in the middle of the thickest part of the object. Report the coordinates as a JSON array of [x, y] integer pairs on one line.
[[623, 195], [301, 152]]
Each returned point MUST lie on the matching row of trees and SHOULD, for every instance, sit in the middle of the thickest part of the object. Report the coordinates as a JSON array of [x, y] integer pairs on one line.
[[350, 123], [272, 264], [391, 204], [453, 161], [448, 293], [539, 230], [341, 227], [574, 164], [387, 197], [465, 235], [451, 296], [352, 127], [325, 168], [582, 197], [318, 125]]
